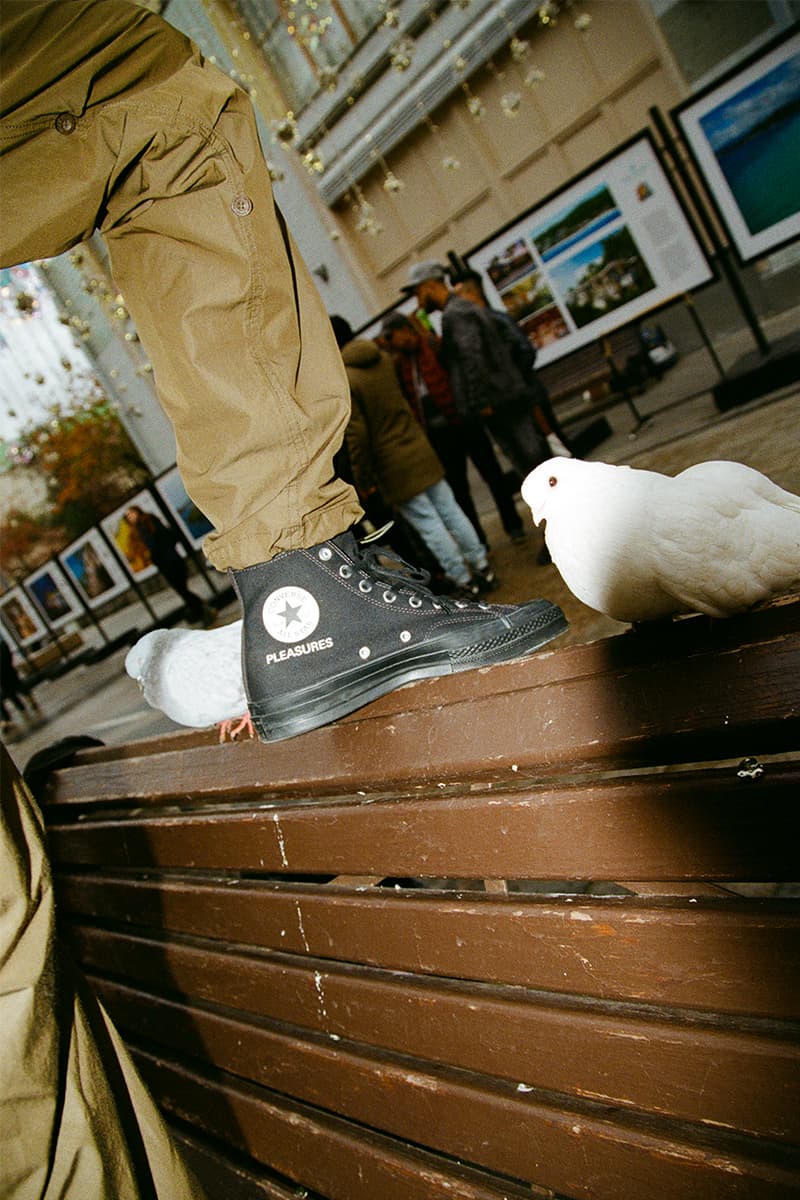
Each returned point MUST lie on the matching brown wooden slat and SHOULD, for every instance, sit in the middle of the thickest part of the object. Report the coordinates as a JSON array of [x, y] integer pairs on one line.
[[738, 957], [442, 1110], [705, 1075], [577, 1154], [675, 826], [681, 638], [229, 1177], [334, 1157], [584, 705]]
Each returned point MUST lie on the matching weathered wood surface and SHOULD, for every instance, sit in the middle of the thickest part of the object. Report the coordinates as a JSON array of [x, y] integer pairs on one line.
[[495, 1033], [694, 691]]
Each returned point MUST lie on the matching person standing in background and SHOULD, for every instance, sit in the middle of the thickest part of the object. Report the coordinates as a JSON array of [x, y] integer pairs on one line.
[[390, 453], [426, 387], [481, 361], [469, 285]]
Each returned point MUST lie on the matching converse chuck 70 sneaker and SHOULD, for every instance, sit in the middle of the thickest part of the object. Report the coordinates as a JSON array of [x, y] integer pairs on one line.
[[330, 628]]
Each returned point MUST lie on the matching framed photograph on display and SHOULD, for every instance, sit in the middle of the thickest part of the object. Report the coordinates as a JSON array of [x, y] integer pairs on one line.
[[743, 132], [53, 596], [194, 524], [120, 527], [19, 619], [611, 245], [93, 570]]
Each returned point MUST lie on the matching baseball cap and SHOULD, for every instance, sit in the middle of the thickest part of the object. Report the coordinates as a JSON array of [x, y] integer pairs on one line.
[[427, 269]]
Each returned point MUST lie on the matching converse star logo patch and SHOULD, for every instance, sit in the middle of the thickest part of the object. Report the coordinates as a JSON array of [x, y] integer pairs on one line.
[[290, 614]]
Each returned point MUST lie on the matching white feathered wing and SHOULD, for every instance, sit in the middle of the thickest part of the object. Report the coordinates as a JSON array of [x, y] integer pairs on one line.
[[194, 676]]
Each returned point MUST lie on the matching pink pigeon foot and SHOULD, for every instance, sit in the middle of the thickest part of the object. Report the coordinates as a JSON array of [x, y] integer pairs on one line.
[[233, 726]]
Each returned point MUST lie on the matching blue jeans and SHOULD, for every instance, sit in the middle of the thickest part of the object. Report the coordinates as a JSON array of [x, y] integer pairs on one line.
[[446, 531]]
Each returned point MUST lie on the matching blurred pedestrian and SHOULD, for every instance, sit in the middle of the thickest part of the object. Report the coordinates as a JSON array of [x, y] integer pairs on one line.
[[481, 360], [13, 690], [469, 285], [161, 545], [426, 387], [389, 453]]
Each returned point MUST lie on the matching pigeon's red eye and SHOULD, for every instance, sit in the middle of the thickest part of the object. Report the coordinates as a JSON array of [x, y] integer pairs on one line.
[[552, 481]]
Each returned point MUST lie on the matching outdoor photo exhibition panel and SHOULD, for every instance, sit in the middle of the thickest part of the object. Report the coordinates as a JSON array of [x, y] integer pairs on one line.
[[20, 623], [124, 537], [93, 570], [53, 596], [743, 132], [608, 247], [193, 523]]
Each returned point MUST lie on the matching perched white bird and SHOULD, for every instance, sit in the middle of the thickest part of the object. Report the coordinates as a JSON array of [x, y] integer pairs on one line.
[[637, 545], [194, 676]]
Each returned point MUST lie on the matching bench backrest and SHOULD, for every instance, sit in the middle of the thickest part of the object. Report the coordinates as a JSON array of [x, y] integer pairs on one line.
[[475, 941]]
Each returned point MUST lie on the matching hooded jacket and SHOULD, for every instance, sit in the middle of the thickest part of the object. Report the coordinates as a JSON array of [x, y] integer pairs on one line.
[[388, 450]]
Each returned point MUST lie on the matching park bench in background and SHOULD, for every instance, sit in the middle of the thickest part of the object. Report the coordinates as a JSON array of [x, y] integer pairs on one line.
[[315, 1023]]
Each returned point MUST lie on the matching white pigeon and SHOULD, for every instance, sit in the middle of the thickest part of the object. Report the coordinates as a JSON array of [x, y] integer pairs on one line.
[[637, 545], [194, 676]]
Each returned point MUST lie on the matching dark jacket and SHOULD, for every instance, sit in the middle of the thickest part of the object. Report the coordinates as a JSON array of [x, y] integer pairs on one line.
[[387, 448], [482, 357]]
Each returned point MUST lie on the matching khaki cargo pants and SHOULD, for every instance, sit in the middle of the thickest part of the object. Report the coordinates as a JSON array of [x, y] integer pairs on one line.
[[111, 120]]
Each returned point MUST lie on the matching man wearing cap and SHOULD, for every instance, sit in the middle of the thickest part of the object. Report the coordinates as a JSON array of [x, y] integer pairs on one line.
[[481, 360]]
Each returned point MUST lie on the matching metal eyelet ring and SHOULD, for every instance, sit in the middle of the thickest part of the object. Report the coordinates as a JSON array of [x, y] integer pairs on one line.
[[405, 636], [483, 605], [437, 606], [345, 571], [326, 553], [364, 652], [415, 601], [461, 604], [364, 585], [389, 597]]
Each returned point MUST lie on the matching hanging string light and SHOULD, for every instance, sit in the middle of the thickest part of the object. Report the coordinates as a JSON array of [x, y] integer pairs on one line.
[[285, 130], [448, 161], [306, 27], [391, 17], [391, 184], [401, 55]]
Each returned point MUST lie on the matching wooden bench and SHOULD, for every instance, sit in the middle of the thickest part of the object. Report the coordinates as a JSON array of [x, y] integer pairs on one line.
[[597, 374], [316, 1024]]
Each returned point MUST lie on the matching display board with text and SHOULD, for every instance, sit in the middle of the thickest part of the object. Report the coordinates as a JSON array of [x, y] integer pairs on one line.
[[605, 249]]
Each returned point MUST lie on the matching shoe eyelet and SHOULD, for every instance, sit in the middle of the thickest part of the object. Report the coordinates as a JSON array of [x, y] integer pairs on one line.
[[484, 606], [461, 604], [364, 585], [364, 652], [437, 606], [415, 601], [405, 636], [345, 571], [389, 597], [325, 553]]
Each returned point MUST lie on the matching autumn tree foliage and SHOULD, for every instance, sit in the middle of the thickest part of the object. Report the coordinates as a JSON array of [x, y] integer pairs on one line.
[[89, 465], [24, 543]]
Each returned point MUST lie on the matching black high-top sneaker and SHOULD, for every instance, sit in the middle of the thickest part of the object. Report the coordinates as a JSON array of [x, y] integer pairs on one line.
[[332, 627]]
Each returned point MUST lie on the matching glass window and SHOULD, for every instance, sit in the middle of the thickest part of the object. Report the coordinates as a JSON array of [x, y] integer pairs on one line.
[[302, 41]]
